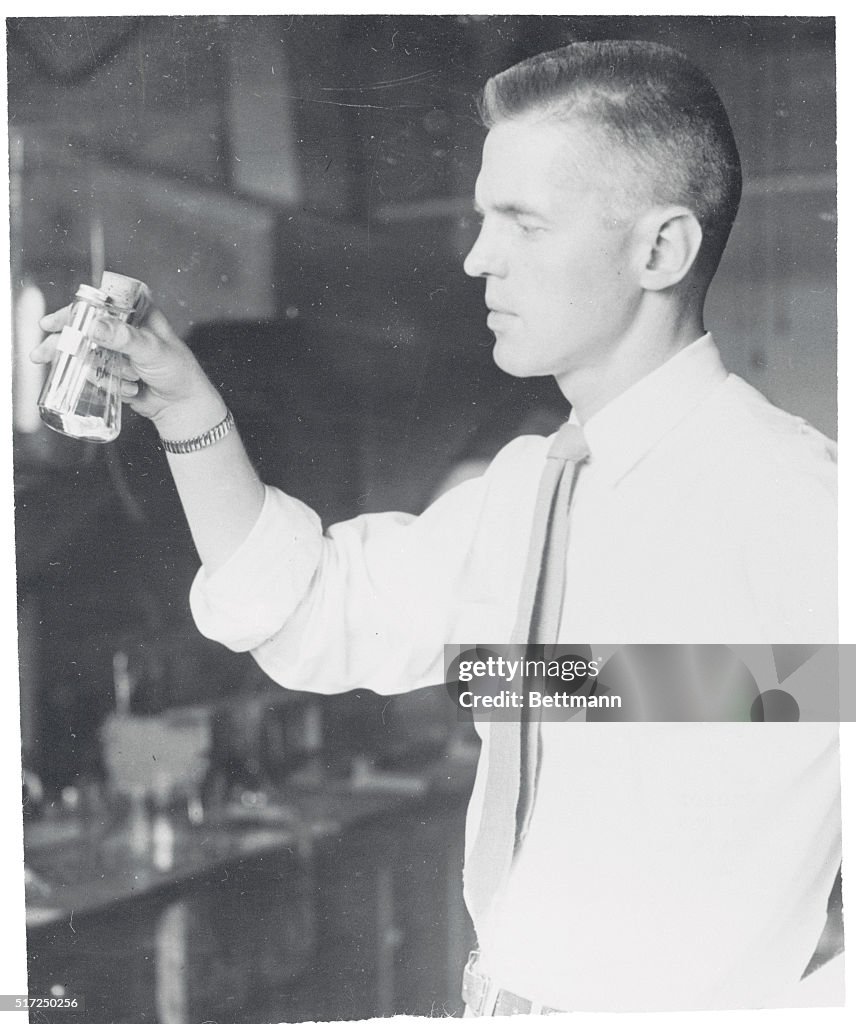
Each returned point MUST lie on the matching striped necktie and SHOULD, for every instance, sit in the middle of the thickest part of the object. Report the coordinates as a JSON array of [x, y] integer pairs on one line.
[[512, 755]]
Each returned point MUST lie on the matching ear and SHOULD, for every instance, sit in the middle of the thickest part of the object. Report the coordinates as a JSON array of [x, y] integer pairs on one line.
[[670, 238]]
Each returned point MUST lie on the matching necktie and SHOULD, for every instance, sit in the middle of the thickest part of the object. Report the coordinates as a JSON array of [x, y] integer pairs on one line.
[[512, 756]]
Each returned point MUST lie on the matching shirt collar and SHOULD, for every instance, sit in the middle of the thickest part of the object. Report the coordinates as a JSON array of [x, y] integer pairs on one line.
[[631, 425]]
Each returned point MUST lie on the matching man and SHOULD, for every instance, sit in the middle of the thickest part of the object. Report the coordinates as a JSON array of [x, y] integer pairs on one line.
[[663, 866]]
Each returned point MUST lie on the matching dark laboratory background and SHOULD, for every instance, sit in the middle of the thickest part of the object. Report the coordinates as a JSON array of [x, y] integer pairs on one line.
[[297, 193]]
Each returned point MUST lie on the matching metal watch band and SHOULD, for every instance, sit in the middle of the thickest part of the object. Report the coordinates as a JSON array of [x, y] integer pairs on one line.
[[195, 444]]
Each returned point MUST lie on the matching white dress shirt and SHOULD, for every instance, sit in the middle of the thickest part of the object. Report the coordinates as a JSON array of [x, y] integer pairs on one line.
[[666, 865]]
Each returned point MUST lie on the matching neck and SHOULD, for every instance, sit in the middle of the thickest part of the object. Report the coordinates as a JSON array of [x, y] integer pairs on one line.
[[638, 352]]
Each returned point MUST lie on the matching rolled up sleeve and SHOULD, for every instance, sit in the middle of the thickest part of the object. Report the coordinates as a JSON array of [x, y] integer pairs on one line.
[[371, 602], [249, 597]]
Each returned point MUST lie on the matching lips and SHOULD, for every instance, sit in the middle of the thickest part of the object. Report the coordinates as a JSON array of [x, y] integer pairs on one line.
[[493, 307], [498, 318], [497, 314]]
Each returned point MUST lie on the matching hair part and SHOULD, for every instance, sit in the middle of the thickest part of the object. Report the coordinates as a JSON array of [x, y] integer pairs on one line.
[[652, 107]]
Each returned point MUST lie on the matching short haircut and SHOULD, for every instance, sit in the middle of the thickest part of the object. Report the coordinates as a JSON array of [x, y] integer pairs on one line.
[[651, 103]]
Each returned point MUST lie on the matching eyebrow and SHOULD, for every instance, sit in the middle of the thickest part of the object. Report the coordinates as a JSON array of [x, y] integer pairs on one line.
[[510, 210]]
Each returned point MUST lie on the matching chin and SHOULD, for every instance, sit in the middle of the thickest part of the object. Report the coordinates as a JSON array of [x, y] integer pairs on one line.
[[514, 360]]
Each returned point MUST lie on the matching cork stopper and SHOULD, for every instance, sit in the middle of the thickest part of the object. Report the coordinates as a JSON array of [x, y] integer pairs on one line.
[[127, 292]]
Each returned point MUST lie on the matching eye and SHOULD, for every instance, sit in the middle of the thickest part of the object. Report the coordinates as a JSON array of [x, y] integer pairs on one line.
[[527, 225], [528, 228]]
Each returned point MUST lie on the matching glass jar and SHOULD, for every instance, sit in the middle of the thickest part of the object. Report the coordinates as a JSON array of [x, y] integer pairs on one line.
[[82, 396]]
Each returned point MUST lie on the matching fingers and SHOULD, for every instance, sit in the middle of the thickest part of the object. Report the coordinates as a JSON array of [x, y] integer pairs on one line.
[[105, 331], [121, 337], [157, 368], [44, 352], [53, 322], [110, 333]]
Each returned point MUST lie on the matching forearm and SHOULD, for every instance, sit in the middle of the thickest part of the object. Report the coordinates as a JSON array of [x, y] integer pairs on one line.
[[162, 380], [219, 489]]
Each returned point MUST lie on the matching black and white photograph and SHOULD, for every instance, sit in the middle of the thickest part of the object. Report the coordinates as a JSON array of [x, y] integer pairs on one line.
[[379, 382]]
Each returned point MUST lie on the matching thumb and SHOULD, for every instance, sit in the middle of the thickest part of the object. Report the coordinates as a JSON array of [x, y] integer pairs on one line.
[[53, 322], [158, 323]]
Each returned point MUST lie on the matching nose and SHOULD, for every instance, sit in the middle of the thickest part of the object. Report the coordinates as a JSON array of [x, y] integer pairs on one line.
[[484, 258]]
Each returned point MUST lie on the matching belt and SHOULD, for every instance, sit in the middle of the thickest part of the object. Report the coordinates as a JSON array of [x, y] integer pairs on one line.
[[485, 999]]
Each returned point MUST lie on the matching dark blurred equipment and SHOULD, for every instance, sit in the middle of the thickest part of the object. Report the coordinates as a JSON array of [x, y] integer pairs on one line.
[[299, 420]]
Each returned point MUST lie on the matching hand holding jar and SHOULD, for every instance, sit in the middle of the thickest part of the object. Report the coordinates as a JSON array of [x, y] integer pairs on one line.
[[112, 346]]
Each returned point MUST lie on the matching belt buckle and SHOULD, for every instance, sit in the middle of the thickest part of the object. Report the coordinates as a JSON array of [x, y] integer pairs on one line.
[[486, 999], [476, 989]]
